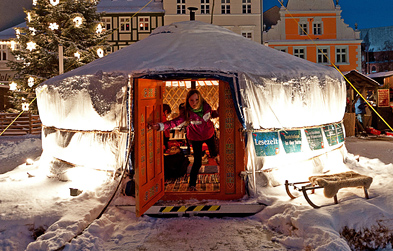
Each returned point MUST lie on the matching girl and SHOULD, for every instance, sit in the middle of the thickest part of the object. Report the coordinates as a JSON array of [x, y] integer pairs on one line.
[[200, 130]]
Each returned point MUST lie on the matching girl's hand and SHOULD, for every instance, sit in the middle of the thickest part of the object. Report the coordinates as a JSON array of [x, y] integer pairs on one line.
[[154, 127]]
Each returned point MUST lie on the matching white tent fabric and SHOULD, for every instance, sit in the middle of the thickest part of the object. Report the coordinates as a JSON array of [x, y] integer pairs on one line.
[[272, 90]]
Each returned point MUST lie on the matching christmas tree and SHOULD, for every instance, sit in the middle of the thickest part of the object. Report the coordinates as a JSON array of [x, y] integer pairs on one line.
[[71, 26]]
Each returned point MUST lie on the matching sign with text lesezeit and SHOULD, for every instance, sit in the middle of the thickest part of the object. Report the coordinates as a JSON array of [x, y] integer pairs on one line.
[[291, 140], [266, 143], [314, 138]]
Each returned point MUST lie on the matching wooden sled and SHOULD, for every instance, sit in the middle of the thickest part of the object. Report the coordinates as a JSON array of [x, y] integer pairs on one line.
[[331, 184]]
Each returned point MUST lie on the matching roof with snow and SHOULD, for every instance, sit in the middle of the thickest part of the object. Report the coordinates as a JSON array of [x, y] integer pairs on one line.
[[9, 33], [304, 5], [130, 6], [378, 39], [197, 46], [271, 89]]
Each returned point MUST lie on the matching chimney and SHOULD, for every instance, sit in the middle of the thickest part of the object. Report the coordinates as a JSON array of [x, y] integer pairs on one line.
[[192, 12]]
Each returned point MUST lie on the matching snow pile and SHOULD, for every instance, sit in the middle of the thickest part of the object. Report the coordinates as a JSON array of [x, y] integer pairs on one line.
[[35, 205]]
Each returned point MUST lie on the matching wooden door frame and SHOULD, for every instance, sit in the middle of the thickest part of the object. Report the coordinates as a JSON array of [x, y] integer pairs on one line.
[[232, 154]]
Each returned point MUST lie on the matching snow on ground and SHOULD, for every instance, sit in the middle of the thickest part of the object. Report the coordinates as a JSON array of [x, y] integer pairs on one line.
[[31, 204]]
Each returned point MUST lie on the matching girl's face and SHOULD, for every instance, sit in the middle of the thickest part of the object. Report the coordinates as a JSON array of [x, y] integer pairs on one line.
[[193, 100]]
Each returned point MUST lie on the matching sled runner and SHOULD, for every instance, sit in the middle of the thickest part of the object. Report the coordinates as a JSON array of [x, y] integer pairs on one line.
[[331, 183], [224, 210]]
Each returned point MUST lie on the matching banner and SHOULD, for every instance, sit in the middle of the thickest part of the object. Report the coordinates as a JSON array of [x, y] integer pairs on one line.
[[314, 138], [291, 140], [383, 98], [331, 135], [340, 132], [266, 143]]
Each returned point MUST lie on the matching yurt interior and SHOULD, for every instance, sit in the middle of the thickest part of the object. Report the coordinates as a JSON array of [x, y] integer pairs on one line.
[[216, 179]]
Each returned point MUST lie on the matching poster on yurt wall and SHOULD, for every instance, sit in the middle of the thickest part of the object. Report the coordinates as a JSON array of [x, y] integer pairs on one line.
[[331, 135], [266, 143], [340, 132], [314, 138], [291, 140]]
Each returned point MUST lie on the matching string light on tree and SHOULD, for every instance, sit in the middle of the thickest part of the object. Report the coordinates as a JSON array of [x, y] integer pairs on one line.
[[34, 2], [17, 32], [13, 86], [28, 16], [30, 81], [30, 45], [54, 2], [100, 52], [53, 26]]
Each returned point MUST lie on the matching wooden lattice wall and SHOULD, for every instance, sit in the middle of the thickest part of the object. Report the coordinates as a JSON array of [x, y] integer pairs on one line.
[[174, 96]]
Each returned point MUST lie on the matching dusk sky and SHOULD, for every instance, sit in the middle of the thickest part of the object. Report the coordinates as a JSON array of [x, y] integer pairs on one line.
[[366, 13]]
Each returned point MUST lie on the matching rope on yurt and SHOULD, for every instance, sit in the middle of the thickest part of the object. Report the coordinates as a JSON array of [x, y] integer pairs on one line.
[[312, 40]]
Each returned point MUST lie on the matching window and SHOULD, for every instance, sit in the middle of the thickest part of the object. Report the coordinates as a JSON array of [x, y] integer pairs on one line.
[[205, 7], [322, 54], [299, 52], [281, 49], [107, 24], [317, 28], [341, 55], [144, 23], [303, 30], [3, 52], [246, 6], [125, 23], [181, 6], [247, 34], [225, 7]]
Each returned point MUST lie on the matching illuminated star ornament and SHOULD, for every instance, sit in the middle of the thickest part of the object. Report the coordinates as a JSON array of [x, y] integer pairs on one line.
[[30, 82], [77, 55], [31, 45], [77, 21], [13, 86], [53, 26], [54, 2], [100, 52], [25, 107], [99, 29], [32, 30]]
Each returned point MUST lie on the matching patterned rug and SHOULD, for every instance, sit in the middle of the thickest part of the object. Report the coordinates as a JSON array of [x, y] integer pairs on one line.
[[205, 183]]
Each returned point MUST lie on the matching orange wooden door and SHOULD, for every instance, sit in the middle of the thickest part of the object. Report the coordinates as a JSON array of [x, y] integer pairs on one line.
[[232, 147], [149, 166]]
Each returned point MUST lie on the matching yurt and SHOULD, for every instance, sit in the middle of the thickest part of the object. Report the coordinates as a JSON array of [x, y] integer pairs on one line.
[[280, 117]]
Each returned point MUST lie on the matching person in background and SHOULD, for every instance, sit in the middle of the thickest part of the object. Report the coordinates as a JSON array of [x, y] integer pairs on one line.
[[167, 111], [360, 110], [200, 129]]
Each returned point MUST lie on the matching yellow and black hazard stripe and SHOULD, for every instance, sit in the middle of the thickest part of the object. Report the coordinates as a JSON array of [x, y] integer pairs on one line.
[[186, 209]]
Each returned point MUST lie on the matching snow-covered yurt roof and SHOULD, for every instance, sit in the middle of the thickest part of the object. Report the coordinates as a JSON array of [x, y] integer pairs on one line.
[[271, 89]]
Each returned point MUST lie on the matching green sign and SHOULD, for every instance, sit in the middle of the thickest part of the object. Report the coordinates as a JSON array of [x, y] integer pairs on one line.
[[331, 135], [266, 143], [340, 132], [314, 138], [291, 140]]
